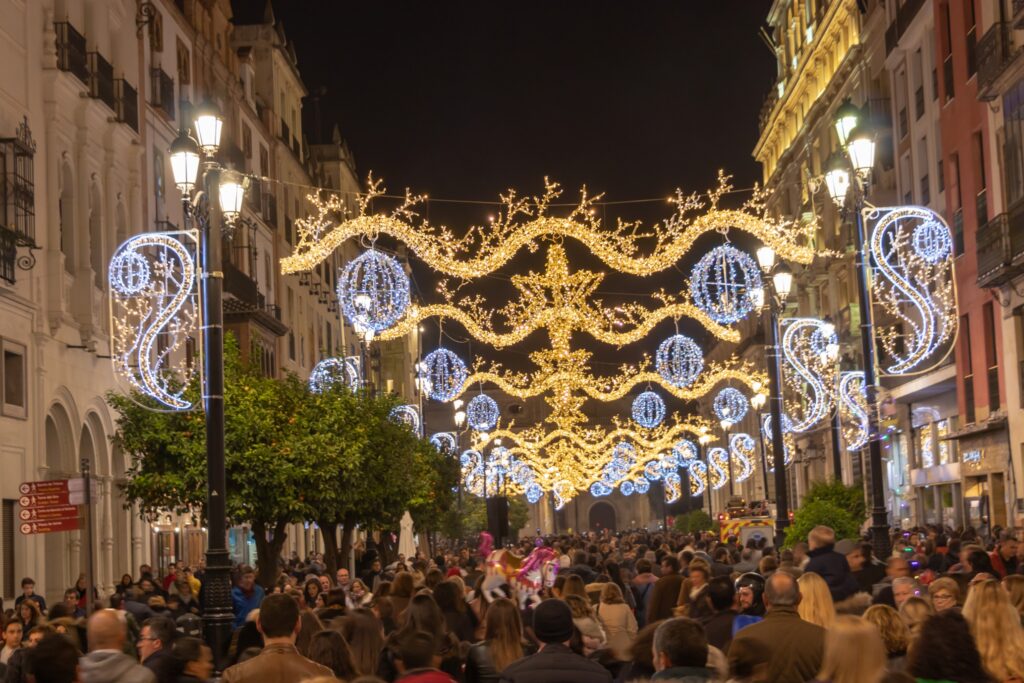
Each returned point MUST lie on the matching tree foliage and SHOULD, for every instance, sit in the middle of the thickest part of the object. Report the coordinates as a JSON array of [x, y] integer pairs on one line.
[[849, 498], [469, 518], [694, 521], [821, 512]]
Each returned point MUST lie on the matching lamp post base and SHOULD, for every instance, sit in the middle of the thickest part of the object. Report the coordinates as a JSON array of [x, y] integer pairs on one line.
[[218, 611]]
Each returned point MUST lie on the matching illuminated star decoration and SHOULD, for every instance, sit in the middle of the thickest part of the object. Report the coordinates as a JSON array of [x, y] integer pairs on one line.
[[482, 413], [408, 415], [443, 375], [853, 405], [374, 291], [730, 405], [721, 283], [154, 311], [914, 285], [648, 410]]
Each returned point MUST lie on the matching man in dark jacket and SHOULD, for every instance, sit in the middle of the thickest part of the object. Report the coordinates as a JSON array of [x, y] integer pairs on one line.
[[665, 593], [681, 652], [829, 564], [555, 662], [155, 643], [718, 626], [797, 646]]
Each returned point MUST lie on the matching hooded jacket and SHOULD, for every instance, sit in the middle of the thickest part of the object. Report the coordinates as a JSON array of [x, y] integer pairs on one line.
[[108, 666]]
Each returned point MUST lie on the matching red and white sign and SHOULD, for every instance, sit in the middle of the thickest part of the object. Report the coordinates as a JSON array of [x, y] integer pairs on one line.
[[55, 486], [48, 525], [49, 513]]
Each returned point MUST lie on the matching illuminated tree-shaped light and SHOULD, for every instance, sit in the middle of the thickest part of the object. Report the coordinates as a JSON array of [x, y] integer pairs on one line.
[[482, 413], [741, 448], [374, 291], [443, 375], [648, 410], [853, 406], [679, 360], [787, 437], [330, 371], [718, 459], [444, 442], [154, 311], [408, 415], [721, 282], [730, 405]]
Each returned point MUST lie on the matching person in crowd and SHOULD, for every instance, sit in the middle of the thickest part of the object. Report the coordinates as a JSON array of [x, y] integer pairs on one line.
[[194, 659], [615, 574], [854, 652], [617, 619], [246, 595], [311, 591], [12, 639], [28, 592], [106, 661], [279, 623], [126, 582], [816, 604], [977, 562], [358, 595], [640, 666], [155, 641], [828, 564], [642, 586], [944, 593], [718, 626], [71, 600], [681, 652], [53, 660], [362, 631], [904, 588], [996, 628], [573, 585], [692, 601], [945, 650], [29, 616], [402, 590], [502, 644], [554, 662], [590, 638], [457, 615], [188, 603], [1014, 586], [422, 614], [330, 649], [894, 632], [665, 594], [417, 659], [342, 578], [797, 645], [895, 568], [750, 594], [914, 611], [309, 626], [1004, 558]]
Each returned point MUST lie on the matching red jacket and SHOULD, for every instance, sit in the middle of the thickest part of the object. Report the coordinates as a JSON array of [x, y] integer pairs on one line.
[[997, 563], [425, 676]]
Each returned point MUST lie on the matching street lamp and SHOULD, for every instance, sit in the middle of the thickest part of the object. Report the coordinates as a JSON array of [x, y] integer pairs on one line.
[[198, 178], [848, 178], [780, 284]]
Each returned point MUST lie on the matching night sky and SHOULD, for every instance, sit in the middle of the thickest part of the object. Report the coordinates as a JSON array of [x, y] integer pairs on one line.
[[463, 100]]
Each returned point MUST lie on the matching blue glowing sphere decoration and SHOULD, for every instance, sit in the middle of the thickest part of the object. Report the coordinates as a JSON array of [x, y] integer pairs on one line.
[[443, 375], [622, 460], [444, 442], [599, 488], [730, 404], [653, 470], [534, 493], [408, 415], [626, 488], [374, 291], [648, 410], [721, 282], [482, 413], [679, 360], [642, 486], [334, 370], [932, 241]]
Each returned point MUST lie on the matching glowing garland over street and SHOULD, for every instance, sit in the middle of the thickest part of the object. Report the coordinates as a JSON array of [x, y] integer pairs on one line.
[[915, 285], [154, 310]]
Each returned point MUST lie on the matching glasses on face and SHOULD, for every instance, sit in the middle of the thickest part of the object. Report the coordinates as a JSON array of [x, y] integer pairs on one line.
[[142, 638], [944, 597]]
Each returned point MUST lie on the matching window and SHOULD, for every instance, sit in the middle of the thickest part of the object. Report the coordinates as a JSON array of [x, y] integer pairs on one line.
[[17, 198], [247, 143], [158, 183], [991, 357], [923, 165], [981, 198], [264, 161], [947, 54], [156, 31], [15, 379], [184, 64], [970, 23], [967, 368]]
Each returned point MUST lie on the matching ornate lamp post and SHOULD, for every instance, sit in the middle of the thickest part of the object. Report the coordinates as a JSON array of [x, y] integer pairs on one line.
[[847, 180], [780, 283], [199, 177]]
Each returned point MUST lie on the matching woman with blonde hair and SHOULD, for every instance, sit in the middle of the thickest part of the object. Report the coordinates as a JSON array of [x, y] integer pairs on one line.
[[995, 626], [914, 612], [1013, 584], [815, 601], [894, 632], [854, 652], [618, 621], [574, 586]]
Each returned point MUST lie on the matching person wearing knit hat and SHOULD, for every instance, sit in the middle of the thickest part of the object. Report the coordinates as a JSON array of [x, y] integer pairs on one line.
[[555, 662]]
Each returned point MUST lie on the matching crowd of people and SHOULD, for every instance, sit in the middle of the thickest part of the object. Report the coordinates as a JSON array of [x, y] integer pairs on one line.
[[636, 606]]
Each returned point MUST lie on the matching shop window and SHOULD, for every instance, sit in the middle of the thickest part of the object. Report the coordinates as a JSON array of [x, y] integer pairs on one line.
[[15, 379]]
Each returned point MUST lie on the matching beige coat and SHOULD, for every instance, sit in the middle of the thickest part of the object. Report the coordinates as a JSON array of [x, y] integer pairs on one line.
[[620, 627], [275, 664]]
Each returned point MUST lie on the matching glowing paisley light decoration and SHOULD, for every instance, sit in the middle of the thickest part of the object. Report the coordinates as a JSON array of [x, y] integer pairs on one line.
[[673, 487], [787, 440], [853, 405], [154, 310], [563, 491], [804, 371], [698, 478], [718, 459], [913, 284], [741, 448]]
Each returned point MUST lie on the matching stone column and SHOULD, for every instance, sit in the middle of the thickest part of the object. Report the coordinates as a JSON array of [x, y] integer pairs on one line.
[[105, 573]]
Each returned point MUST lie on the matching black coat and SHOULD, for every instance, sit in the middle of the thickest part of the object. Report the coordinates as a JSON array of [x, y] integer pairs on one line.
[[555, 664], [718, 628], [480, 666], [664, 597], [832, 566], [163, 665]]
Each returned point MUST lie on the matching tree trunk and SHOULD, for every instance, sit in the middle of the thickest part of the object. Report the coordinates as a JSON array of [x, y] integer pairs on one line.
[[348, 529], [329, 531], [268, 553]]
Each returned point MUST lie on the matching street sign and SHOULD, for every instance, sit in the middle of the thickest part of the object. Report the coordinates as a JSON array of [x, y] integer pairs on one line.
[[55, 486], [50, 499], [48, 525], [49, 513]]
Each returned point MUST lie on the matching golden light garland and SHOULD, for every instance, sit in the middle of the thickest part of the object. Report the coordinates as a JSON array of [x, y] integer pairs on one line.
[[523, 221]]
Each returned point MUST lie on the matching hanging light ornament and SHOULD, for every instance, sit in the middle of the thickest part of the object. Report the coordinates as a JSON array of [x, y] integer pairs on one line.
[[853, 406], [718, 459], [534, 493], [741, 448], [626, 488], [408, 415], [374, 291], [648, 410], [721, 282], [333, 370], [443, 375], [599, 488], [641, 485], [444, 442], [679, 360], [482, 413], [730, 405]]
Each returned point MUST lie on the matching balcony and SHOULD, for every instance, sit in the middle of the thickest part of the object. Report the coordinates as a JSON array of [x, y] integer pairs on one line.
[[239, 285], [904, 17], [71, 55], [101, 79], [995, 52], [247, 303], [126, 101], [1001, 247], [163, 92]]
